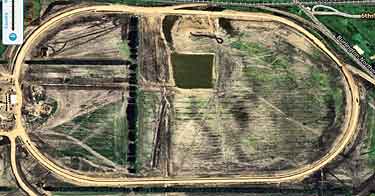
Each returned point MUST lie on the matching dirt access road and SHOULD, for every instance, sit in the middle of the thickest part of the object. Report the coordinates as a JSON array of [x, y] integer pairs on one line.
[[349, 126]]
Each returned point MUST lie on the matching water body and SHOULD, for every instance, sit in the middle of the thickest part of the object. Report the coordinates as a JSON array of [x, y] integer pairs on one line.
[[193, 70]]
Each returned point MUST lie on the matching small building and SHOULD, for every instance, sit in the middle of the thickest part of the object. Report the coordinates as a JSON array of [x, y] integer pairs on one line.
[[7, 102], [13, 99], [358, 49]]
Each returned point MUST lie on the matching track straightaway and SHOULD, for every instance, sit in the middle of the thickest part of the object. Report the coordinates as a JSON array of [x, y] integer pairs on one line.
[[349, 126]]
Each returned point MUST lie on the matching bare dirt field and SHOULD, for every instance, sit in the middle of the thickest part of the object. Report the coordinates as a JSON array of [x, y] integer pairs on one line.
[[76, 90], [272, 100], [277, 103], [94, 36]]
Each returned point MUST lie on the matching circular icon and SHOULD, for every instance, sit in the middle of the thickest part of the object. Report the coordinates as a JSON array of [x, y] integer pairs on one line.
[[12, 36]]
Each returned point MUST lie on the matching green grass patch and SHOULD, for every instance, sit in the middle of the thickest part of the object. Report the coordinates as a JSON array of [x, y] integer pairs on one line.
[[249, 47], [254, 50], [2, 48], [37, 7], [323, 83], [269, 72], [68, 152], [104, 130], [297, 11], [196, 105], [356, 31], [249, 142], [124, 49], [148, 103], [279, 72]]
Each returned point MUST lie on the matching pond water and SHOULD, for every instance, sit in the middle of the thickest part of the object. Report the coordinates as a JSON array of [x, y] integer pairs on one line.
[[192, 70]]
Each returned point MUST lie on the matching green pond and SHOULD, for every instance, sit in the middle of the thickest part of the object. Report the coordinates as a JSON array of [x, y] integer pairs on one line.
[[192, 70]]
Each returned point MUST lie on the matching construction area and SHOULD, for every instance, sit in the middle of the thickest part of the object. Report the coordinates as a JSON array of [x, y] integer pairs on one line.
[[142, 96], [188, 99]]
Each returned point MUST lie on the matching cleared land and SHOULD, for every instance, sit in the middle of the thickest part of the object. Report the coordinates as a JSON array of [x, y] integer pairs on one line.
[[84, 80], [275, 102]]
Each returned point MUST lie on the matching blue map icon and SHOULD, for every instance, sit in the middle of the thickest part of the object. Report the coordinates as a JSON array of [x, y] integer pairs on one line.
[[12, 36]]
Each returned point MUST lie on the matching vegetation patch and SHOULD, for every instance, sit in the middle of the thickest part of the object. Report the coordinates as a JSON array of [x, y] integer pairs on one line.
[[37, 7], [124, 49], [149, 104], [273, 71], [371, 130], [355, 31], [306, 93], [104, 130]]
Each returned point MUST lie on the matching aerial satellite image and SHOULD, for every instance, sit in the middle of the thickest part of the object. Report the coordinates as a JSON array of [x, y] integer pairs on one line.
[[187, 98]]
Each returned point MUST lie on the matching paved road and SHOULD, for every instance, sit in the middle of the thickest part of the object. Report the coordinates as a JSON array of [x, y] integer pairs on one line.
[[349, 125], [362, 74], [330, 11]]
